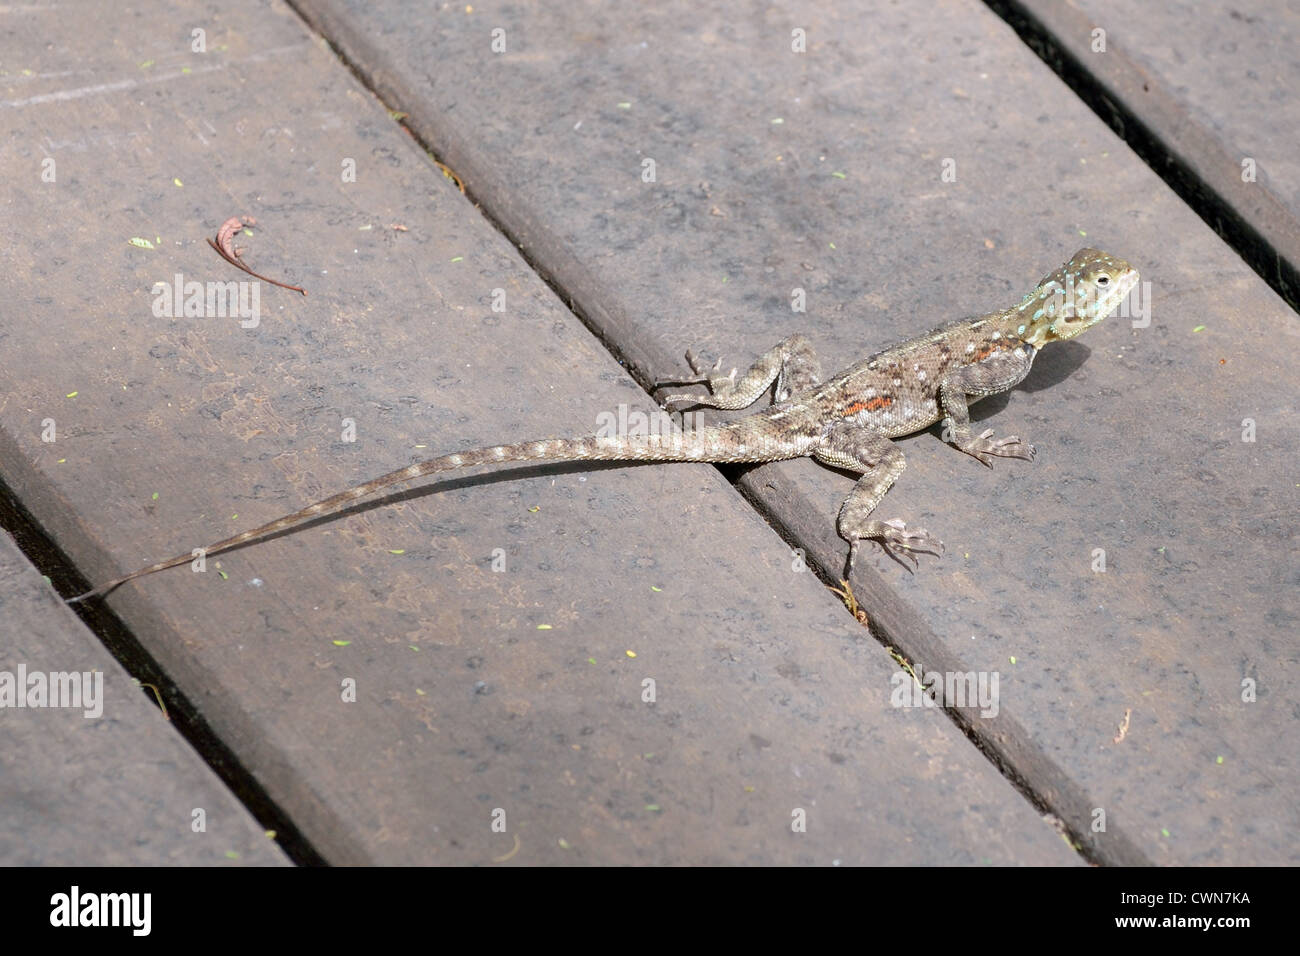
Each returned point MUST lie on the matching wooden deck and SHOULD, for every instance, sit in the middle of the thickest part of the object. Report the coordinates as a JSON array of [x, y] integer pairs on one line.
[[559, 665]]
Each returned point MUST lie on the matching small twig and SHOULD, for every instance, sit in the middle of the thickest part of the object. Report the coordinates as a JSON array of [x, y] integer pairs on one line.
[[158, 695], [1123, 727], [446, 171], [225, 247], [502, 859], [851, 602]]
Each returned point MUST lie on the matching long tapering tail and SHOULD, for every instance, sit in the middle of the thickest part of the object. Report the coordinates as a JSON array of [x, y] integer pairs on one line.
[[706, 444]]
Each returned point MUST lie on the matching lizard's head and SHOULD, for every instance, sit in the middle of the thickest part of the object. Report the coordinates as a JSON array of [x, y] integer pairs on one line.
[[1079, 294]]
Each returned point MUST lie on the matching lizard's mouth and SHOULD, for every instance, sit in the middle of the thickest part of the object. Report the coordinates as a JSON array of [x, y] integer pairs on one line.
[[1117, 293], [1105, 299]]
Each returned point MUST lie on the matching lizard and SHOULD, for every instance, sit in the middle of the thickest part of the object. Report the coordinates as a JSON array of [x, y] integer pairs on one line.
[[846, 421]]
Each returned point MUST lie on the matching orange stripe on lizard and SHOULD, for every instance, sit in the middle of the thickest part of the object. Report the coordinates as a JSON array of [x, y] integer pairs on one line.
[[871, 405]]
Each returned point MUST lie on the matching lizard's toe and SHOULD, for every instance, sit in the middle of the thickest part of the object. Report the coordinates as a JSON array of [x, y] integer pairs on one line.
[[898, 541], [985, 447], [910, 539], [700, 366]]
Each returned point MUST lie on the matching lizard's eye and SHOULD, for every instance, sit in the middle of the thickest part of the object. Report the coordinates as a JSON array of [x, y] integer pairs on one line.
[[1103, 280]]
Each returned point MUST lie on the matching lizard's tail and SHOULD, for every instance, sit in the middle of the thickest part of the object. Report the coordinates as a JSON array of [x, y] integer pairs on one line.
[[704, 444]]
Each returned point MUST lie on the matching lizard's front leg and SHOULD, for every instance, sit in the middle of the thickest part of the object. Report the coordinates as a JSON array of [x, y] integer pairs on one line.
[[857, 448], [792, 364], [995, 374]]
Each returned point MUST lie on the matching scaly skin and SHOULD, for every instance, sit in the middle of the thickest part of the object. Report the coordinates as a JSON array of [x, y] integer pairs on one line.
[[846, 421]]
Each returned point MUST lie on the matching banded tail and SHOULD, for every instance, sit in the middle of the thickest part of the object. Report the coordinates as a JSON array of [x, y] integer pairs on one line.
[[714, 444]]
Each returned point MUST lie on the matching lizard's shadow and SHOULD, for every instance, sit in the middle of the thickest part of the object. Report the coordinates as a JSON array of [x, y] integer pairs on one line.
[[1048, 371], [1059, 364], [442, 486]]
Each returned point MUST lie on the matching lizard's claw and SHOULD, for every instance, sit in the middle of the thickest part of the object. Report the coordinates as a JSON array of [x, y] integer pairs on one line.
[[984, 448], [707, 375], [718, 384], [898, 541], [702, 368]]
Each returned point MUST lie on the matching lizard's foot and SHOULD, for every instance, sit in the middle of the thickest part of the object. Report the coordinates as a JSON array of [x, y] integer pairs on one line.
[[897, 540], [984, 447], [719, 385]]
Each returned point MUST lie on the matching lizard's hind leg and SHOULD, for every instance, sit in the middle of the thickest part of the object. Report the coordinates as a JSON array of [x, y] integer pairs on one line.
[[880, 462], [792, 364]]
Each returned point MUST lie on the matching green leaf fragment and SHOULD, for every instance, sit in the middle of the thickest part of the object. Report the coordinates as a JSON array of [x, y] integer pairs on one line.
[[140, 243], [340, 643]]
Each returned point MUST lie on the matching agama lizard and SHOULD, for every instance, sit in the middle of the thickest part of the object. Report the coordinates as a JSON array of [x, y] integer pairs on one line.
[[846, 421]]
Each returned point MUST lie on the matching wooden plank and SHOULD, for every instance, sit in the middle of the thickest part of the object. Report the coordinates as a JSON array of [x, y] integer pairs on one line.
[[777, 172], [106, 782], [1205, 95], [402, 677]]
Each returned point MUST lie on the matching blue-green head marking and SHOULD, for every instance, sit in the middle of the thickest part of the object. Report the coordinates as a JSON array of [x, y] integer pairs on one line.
[[1077, 295]]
